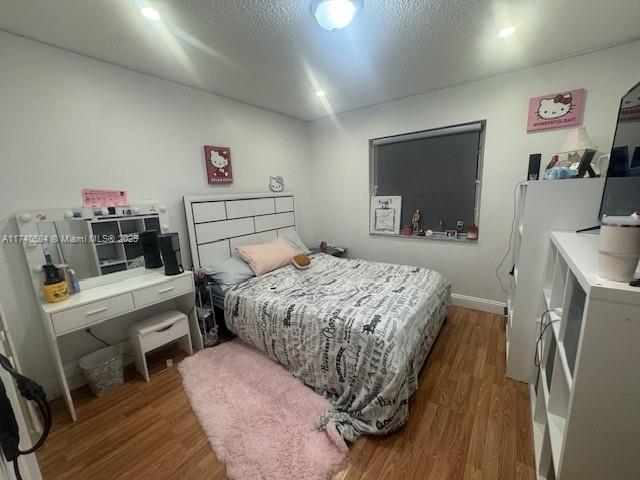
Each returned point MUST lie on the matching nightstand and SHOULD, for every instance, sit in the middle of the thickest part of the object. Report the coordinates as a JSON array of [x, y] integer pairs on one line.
[[333, 250]]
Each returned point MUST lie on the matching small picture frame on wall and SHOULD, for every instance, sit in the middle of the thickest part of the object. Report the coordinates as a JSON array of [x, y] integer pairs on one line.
[[218, 162]]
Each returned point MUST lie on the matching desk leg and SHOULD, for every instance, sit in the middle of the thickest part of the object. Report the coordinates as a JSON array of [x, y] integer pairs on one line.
[[186, 304], [62, 379]]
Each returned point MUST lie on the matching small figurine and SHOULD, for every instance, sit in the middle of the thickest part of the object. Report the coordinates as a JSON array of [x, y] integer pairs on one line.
[[415, 221], [276, 184]]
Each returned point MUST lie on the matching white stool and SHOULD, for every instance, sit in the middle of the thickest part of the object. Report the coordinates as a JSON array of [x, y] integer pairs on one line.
[[157, 331]]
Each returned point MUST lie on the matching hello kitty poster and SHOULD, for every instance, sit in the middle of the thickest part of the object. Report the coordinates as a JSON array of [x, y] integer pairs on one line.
[[218, 161], [556, 110]]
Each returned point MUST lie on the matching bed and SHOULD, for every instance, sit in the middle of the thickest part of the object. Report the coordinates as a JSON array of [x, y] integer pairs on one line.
[[357, 332]]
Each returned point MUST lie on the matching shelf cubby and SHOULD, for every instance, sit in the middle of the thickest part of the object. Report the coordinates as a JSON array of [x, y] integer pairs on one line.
[[152, 223], [558, 283], [133, 225], [572, 321], [547, 282], [113, 252]]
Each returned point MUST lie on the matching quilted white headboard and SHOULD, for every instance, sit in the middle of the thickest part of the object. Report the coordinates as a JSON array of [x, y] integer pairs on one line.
[[217, 224]]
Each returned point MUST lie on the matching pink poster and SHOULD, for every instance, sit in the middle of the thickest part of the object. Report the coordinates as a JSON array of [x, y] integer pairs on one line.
[[93, 197], [556, 110]]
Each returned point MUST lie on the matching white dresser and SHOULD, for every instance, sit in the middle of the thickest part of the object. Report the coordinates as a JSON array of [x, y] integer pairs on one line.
[[586, 395]]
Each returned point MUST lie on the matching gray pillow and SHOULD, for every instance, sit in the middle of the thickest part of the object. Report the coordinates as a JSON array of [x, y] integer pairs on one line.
[[292, 238], [229, 272]]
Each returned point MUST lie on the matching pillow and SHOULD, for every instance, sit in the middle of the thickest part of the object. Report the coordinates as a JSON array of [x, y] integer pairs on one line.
[[265, 257], [228, 272], [291, 236]]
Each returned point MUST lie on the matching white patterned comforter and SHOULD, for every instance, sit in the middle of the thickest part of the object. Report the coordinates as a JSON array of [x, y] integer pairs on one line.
[[355, 331]]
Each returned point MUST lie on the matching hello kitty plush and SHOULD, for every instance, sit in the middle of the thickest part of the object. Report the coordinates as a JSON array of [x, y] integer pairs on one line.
[[555, 107], [276, 184], [218, 161]]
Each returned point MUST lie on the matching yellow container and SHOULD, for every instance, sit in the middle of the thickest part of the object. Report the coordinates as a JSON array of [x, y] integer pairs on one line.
[[56, 292]]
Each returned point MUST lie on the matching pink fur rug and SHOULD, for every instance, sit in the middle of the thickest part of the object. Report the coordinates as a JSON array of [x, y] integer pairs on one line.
[[259, 419]]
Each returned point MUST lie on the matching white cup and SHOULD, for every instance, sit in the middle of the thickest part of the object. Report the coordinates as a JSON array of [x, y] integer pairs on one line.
[[619, 248]]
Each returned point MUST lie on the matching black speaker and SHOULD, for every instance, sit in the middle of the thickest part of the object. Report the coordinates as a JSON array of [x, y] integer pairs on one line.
[[170, 249], [151, 249], [534, 166]]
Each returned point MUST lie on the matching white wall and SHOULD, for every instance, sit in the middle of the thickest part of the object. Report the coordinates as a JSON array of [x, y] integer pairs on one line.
[[69, 122], [340, 158]]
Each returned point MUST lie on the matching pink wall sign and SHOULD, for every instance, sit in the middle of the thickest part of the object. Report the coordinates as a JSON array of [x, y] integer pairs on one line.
[[92, 197], [556, 110]]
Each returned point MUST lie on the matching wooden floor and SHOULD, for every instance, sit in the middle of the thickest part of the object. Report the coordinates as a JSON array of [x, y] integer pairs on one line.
[[467, 421]]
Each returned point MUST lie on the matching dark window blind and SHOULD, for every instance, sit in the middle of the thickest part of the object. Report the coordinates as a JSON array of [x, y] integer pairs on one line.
[[436, 175]]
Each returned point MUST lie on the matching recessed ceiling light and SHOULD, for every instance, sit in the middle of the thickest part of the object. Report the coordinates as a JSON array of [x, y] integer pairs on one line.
[[150, 13], [335, 14], [321, 93], [507, 31]]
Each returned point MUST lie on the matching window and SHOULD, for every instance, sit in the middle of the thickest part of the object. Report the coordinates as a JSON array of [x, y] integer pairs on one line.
[[435, 171]]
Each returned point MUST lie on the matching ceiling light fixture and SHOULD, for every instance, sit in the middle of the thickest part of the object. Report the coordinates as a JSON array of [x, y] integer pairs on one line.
[[507, 31], [335, 14], [150, 13], [321, 93]]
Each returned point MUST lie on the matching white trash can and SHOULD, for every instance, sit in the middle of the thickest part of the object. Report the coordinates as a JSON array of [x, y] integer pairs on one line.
[[619, 248], [103, 369]]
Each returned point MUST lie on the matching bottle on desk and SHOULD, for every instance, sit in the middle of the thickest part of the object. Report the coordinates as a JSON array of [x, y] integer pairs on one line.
[[55, 287], [74, 283]]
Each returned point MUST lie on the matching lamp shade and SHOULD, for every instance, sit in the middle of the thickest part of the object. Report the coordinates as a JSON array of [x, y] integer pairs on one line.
[[577, 140]]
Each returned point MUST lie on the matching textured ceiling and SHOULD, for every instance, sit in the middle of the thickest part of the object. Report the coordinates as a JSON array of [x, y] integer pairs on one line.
[[271, 53]]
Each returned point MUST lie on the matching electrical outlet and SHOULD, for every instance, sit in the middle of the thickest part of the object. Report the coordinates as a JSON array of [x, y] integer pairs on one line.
[[169, 362]]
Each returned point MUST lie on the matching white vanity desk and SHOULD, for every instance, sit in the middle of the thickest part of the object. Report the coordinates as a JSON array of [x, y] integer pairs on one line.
[[104, 295], [100, 304]]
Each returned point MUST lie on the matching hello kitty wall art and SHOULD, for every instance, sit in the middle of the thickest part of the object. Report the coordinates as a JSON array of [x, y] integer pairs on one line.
[[563, 109], [218, 162]]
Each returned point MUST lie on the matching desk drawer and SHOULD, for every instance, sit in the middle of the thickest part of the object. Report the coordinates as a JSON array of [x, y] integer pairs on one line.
[[165, 336], [91, 313], [163, 291]]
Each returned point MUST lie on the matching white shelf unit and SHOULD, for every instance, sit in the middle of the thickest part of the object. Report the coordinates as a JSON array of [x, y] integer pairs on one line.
[[586, 392], [115, 255], [541, 206]]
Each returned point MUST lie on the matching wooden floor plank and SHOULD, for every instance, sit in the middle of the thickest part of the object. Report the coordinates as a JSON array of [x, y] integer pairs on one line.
[[467, 422]]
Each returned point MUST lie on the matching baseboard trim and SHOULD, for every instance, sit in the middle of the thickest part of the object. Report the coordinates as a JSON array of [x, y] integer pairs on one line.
[[475, 303]]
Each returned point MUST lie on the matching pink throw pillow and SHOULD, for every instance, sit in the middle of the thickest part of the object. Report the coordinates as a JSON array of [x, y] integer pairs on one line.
[[265, 257]]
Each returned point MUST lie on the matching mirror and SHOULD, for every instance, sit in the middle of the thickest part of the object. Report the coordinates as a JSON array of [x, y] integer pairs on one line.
[[96, 247], [622, 190]]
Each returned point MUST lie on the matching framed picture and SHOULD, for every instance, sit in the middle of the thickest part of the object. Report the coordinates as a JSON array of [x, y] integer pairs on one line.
[[218, 162], [562, 109], [451, 233], [385, 215]]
